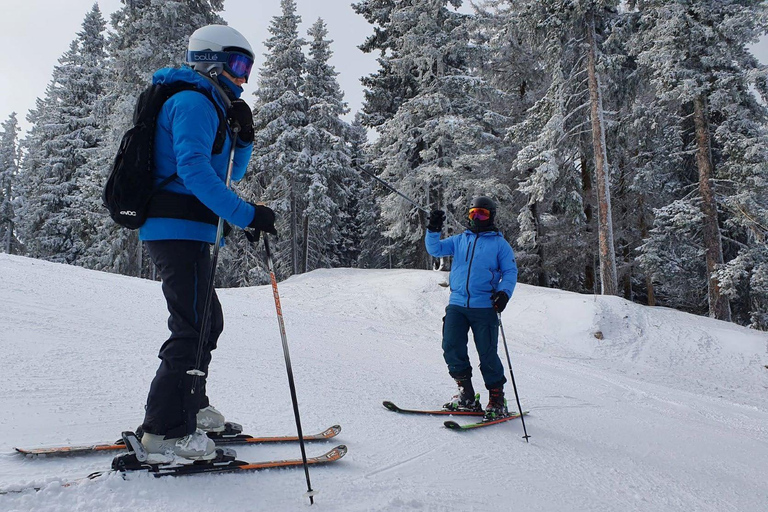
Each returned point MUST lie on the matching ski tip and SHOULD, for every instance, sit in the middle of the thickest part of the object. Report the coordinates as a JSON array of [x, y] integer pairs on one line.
[[452, 425], [338, 452], [333, 431], [389, 405]]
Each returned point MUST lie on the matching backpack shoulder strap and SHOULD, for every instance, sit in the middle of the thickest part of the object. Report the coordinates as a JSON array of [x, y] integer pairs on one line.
[[160, 93]]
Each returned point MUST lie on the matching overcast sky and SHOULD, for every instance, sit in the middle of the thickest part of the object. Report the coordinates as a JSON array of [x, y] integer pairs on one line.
[[35, 33], [38, 32]]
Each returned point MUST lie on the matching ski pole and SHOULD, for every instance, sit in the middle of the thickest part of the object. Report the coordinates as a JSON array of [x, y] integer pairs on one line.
[[206, 324], [271, 266], [393, 189], [514, 386]]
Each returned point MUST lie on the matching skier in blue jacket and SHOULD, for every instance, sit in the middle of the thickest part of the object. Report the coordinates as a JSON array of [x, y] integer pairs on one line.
[[483, 277], [182, 224]]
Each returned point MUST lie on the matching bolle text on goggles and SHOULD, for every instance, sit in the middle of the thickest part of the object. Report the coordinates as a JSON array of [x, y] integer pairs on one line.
[[479, 214], [237, 64]]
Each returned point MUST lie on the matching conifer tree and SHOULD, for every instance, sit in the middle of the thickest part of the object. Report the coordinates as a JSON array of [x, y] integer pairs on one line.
[[386, 89], [58, 218], [326, 156], [280, 115], [362, 233], [9, 167], [697, 54], [440, 146], [563, 136]]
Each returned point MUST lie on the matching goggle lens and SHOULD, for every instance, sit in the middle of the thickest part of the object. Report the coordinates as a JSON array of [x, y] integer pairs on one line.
[[479, 214], [239, 65]]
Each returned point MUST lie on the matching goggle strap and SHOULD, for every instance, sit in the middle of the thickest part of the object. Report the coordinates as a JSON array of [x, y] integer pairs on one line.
[[207, 56]]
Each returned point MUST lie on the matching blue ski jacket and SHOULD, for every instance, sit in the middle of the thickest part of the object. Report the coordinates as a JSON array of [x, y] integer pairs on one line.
[[184, 137], [482, 264]]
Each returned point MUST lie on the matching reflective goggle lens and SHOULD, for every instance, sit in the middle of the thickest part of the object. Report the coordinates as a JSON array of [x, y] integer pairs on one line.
[[239, 65], [479, 214]]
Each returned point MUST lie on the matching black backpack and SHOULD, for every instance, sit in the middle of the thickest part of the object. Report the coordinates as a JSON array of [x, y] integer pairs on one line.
[[131, 187]]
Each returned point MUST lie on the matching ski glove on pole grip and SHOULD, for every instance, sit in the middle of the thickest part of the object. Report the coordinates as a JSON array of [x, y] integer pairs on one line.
[[499, 300], [436, 220], [239, 112], [263, 220]]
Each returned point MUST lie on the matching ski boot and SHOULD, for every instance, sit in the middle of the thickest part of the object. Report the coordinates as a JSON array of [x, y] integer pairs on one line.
[[497, 405], [212, 422], [192, 447], [465, 399]]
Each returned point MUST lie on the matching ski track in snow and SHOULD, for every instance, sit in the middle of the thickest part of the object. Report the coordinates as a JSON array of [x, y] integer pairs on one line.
[[666, 413]]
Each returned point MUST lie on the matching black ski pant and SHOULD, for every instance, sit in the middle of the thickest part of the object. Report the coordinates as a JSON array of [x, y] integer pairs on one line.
[[185, 269]]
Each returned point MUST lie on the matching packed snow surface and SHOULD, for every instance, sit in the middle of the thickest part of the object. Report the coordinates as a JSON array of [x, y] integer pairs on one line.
[[667, 412]]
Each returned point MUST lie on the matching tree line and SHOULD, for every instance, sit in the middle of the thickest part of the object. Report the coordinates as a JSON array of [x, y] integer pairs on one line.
[[624, 141]]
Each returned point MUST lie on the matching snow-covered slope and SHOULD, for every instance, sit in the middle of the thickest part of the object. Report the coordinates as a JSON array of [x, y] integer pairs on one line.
[[667, 412]]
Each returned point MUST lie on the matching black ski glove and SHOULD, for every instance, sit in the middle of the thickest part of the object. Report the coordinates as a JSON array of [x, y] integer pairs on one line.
[[499, 300], [239, 112], [436, 219], [263, 220]]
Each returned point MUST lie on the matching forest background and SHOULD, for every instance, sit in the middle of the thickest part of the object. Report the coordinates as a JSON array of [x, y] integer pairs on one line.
[[625, 142]]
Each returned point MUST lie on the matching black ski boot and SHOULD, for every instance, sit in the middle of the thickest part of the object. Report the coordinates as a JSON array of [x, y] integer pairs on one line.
[[466, 399], [497, 405]]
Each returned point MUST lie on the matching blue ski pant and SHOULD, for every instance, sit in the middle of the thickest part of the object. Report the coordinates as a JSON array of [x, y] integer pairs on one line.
[[485, 328], [185, 269]]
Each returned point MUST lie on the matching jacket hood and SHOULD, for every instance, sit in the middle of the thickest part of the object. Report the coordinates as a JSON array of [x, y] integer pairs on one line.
[[188, 75]]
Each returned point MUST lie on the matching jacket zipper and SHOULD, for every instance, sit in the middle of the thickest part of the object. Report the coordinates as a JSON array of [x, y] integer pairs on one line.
[[469, 268]]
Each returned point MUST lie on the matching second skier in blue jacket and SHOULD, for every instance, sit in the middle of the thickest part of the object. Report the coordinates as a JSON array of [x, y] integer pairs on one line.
[[483, 277]]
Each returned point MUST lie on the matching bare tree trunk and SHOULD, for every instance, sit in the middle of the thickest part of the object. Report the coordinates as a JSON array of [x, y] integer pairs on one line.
[[139, 257], [305, 258], [294, 230], [542, 275], [719, 307], [608, 278], [586, 186], [8, 237], [644, 235]]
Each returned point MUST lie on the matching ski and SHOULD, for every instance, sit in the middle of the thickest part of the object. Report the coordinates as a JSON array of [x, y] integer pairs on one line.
[[231, 435], [136, 460], [455, 426], [392, 407]]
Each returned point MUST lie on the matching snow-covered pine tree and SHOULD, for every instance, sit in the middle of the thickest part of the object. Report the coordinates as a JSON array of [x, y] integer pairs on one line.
[[86, 207], [386, 89], [564, 149], [147, 35], [280, 114], [697, 53], [647, 149], [516, 68], [362, 233], [9, 168], [326, 157], [58, 219], [440, 147]]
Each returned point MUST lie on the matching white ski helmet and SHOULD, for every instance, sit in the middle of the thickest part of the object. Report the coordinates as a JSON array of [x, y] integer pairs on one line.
[[214, 48]]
